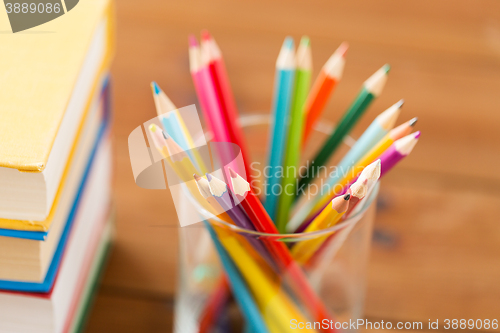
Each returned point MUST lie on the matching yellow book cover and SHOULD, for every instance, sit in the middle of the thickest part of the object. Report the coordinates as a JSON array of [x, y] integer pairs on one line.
[[39, 69], [39, 75]]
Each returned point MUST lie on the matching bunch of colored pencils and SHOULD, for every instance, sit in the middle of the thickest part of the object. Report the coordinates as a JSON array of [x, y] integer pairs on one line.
[[256, 267]]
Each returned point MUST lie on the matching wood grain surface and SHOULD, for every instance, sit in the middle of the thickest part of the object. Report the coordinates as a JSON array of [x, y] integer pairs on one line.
[[436, 250]]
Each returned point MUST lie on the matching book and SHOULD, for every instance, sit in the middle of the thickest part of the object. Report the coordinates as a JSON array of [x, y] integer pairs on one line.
[[25, 261], [48, 79], [89, 284], [48, 312]]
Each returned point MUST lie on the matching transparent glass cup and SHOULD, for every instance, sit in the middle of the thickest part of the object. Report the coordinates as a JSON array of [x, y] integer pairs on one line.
[[335, 274]]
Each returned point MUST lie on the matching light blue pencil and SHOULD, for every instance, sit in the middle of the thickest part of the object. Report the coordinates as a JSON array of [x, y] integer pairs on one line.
[[240, 290], [373, 134], [283, 93], [173, 124]]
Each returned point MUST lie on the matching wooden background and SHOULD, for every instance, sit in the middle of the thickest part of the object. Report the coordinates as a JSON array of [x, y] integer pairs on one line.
[[436, 250]]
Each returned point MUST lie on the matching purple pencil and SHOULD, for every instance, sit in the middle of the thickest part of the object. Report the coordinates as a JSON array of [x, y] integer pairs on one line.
[[220, 192], [395, 153]]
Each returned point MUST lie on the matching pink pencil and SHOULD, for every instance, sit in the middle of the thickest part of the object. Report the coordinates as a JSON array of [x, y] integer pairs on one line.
[[224, 92], [210, 104], [194, 68]]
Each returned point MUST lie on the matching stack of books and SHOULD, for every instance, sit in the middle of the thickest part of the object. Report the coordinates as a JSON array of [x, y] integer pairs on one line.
[[55, 168]]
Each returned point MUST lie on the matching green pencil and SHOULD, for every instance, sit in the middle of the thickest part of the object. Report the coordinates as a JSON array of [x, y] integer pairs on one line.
[[294, 140], [371, 89]]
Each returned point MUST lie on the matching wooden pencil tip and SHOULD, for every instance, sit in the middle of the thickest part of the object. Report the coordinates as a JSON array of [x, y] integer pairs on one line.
[[209, 176], [152, 128], [347, 197], [232, 173], [386, 68], [413, 121], [288, 43], [205, 35], [342, 49], [196, 177], [155, 87], [193, 42], [165, 135], [305, 41], [401, 102], [416, 135]]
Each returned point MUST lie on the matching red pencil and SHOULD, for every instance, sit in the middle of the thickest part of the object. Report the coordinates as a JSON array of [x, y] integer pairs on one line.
[[224, 92], [263, 223]]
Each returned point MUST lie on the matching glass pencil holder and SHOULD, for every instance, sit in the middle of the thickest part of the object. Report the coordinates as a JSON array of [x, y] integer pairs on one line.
[[232, 279]]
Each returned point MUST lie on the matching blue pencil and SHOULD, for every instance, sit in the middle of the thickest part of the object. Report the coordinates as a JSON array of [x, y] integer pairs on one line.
[[239, 288], [283, 93], [373, 134], [174, 125]]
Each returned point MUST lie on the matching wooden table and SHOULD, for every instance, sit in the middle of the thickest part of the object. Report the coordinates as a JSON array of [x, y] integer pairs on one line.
[[436, 250]]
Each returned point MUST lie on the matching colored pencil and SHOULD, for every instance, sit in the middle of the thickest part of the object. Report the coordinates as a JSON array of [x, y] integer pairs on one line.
[[366, 182], [322, 89], [380, 126], [162, 102], [390, 157], [221, 295], [370, 175], [174, 125], [312, 208], [239, 288], [282, 98], [399, 150], [178, 160], [204, 188], [220, 192], [294, 140], [223, 89], [274, 304], [328, 217], [206, 91], [359, 191], [263, 223], [194, 68], [371, 89]]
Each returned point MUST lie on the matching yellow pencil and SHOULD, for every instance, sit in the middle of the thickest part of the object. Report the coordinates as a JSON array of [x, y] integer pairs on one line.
[[328, 217], [164, 105], [276, 307], [384, 143], [178, 160]]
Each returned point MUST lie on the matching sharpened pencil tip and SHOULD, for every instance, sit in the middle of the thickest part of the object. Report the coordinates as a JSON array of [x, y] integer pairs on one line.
[[386, 68], [165, 135], [347, 197], [342, 49], [413, 121], [205, 35], [232, 173], [416, 135], [193, 42], [288, 43], [305, 41], [209, 176], [152, 128], [401, 102], [156, 88], [196, 177]]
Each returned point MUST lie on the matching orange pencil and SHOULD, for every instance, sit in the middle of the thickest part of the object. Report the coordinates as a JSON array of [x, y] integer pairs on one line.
[[327, 80]]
